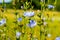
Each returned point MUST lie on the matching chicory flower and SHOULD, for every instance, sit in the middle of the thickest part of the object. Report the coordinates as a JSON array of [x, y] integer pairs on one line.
[[3, 21], [19, 19], [28, 14], [32, 23], [57, 38], [50, 6], [18, 34]]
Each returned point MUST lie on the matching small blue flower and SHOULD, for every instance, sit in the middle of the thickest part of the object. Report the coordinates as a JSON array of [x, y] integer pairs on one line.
[[3, 21], [57, 38], [28, 14], [18, 34], [19, 19], [50, 6], [32, 23]]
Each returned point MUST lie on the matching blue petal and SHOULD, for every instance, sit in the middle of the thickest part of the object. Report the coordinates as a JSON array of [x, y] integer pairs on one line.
[[18, 34], [28, 14], [50, 6], [58, 38], [2, 22], [32, 23], [19, 19]]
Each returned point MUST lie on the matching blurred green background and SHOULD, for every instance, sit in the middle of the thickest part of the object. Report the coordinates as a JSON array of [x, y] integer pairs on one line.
[[35, 3]]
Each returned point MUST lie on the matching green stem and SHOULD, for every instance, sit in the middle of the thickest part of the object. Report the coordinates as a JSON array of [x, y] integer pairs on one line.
[[3, 3], [31, 3]]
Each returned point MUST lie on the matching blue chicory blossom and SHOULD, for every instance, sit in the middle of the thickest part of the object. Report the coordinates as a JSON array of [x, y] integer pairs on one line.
[[28, 14], [32, 23], [19, 19], [50, 6], [18, 34], [57, 38], [3, 21]]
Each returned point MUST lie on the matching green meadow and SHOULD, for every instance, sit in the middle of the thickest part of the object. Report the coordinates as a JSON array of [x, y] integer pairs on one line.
[[8, 31], [29, 19]]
